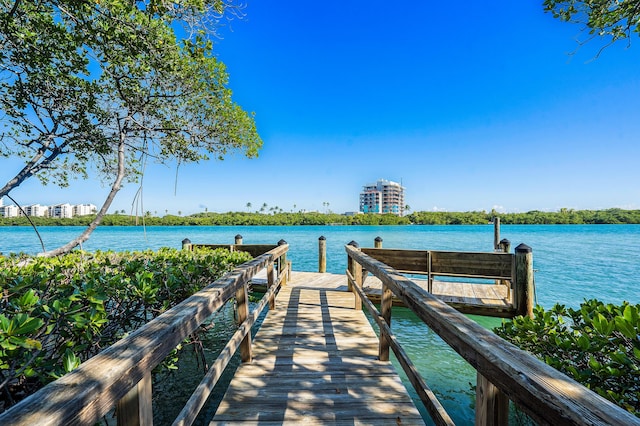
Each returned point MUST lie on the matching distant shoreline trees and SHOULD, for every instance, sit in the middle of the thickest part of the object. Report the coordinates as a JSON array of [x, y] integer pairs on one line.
[[281, 218]]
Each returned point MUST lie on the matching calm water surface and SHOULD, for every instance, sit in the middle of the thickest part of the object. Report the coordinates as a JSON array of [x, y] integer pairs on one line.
[[572, 263]]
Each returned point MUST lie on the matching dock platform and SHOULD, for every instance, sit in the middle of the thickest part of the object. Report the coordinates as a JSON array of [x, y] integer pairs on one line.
[[472, 298], [315, 361]]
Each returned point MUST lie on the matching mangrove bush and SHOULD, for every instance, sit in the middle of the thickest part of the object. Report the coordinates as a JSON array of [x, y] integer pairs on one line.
[[56, 313]]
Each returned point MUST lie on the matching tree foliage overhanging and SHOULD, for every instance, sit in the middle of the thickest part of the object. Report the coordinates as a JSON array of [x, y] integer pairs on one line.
[[105, 86], [611, 20]]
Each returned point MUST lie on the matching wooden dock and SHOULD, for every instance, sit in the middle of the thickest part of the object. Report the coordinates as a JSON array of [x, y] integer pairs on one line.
[[475, 298], [315, 361]]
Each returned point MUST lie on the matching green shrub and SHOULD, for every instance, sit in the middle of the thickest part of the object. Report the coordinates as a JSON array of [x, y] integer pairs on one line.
[[597, 345], [56, 313]]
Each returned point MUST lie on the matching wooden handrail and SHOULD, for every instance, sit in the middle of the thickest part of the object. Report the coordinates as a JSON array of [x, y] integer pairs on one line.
[[92, 390], [513, 270], [541, 391]]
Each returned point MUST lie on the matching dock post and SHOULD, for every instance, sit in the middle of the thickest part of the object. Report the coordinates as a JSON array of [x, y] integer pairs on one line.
[[524, 288], [186, 244], [505, 246], [135, 407], [242, 306], [377, 243], [270, 283], [496, 233], [283, 265], [356, 271], [322, 254], [492, 405], [386, 302], [238, 239]]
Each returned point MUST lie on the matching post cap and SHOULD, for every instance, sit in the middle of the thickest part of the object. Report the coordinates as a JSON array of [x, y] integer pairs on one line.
[[186, 241], [353, 243], [238, 237], [505, 241], [282, 242], [523, 248], [378, 239], [322, 238]]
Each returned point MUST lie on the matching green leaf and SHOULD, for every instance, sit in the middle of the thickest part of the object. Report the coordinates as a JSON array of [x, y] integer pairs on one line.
[[70, 361], [28, 325], [625, 327], [28, 300], [583, 342]]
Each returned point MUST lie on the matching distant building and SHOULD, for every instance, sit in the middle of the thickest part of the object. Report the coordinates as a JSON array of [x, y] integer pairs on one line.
[[9, 211], [61, 211], [65, 210], [36, 210], [84, 209], [382, 197]]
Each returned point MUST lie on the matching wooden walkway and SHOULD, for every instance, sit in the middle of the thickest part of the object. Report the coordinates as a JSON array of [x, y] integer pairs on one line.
[[315, 361]]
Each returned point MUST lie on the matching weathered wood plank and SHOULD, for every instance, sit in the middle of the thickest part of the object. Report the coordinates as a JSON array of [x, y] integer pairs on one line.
[[315, 361], [499, 265], [402, 260]]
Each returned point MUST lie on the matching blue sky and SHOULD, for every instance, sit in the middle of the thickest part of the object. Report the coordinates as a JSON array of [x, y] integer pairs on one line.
[[472, 106]]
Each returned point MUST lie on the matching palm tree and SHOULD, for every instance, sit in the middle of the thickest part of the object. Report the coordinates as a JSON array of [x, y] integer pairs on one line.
[[248, 206], [263, 208]]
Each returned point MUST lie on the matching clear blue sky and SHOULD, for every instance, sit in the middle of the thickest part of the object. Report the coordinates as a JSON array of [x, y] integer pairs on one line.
[[473, 106]]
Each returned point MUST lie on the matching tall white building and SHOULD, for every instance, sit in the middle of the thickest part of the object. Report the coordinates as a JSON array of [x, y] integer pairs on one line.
[[381, 197]]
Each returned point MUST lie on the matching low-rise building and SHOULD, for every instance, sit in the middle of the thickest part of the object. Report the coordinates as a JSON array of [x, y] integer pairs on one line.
[[36, 210], [9, 211], [84, 209], [61, 211]]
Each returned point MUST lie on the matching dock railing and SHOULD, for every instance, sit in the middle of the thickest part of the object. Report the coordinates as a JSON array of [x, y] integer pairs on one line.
[[504, 372], [512, 270], [120, 376]]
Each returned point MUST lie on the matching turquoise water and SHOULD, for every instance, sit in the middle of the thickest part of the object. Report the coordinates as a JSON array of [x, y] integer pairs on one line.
[[572, 263]]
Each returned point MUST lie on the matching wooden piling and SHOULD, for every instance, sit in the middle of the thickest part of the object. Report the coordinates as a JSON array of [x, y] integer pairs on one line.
[[496, 232], [505, 246], [284, 265], [524, 287], [322, 254], [492, 405], [386, 302], [238, 239], [135, 409], [186, 244], [377, 243], [355, 269], [242, 307]]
